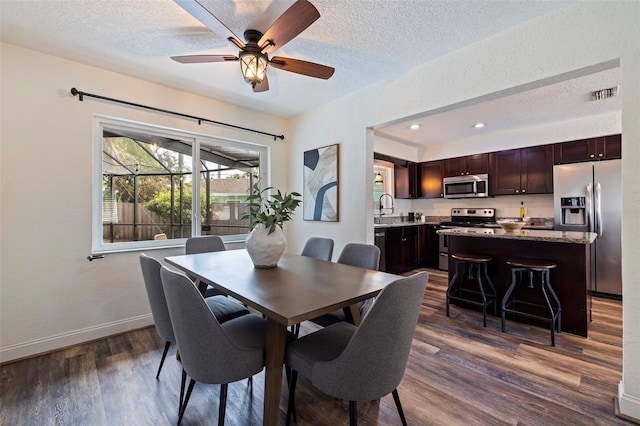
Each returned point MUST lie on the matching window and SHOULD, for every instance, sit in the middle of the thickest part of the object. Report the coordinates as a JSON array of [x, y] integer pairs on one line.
[[382, 183], [144, 184]]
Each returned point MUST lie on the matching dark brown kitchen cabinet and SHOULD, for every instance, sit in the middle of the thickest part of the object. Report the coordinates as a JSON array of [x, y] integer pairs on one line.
[[431, 250], [591, 149], [522, 171], [406, 180], [431, 174], [468, 165], [401, 248]]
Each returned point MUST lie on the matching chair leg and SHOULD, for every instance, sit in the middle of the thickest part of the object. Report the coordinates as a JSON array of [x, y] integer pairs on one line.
[[164, 355], [223, 403], [182, 384], [353, 413], [396, 398], [292, 394], [186, 399]]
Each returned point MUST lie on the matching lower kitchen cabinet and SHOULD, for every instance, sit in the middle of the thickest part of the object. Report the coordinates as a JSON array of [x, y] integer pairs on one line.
[[401, 248], [432, 255]]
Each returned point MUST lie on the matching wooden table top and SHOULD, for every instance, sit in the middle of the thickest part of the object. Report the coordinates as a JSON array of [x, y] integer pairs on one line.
[[298, 289]]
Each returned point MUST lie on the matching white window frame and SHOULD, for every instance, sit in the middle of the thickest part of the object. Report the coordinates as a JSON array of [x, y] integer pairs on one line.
[[196, 139]]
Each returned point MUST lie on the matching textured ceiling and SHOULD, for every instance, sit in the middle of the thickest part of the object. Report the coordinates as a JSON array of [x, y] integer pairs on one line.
[[367, 41]]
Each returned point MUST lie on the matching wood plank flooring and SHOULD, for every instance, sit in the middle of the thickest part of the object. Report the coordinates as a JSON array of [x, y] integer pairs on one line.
[[458, 373]]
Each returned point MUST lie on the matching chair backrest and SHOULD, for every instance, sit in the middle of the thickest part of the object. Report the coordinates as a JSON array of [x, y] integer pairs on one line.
[[373, 362], [204, 244], [318, 248], [153, 283], [361, 255], [206, 353]]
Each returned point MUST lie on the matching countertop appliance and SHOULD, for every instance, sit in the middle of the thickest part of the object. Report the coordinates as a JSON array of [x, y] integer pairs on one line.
[[466, 217], [588, 198], [467, 186]]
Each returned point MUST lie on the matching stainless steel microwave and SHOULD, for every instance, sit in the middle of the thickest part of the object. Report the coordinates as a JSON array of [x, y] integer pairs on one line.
[[468, 186]]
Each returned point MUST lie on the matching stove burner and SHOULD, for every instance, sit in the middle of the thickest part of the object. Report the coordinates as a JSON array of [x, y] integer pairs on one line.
[[470, 217]]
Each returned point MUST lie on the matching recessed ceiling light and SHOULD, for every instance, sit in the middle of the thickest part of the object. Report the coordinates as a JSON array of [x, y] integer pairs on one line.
[[414, 126], [478, 125]]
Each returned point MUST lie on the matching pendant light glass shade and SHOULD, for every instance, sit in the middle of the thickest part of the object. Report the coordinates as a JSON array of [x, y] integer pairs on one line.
[[253, 67], [379, 178]]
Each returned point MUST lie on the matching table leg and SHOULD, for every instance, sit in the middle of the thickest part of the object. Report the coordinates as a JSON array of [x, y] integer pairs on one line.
[[276, 342], [352, 314], [202, 286]]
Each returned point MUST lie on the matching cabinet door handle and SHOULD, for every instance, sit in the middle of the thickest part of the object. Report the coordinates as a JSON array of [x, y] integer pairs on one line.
[[467, 173], [524, 190], [591, 155], [600, 155], [517, 190]]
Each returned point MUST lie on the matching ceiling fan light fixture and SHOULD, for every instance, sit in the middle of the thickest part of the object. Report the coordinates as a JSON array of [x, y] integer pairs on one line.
[[254, 67]]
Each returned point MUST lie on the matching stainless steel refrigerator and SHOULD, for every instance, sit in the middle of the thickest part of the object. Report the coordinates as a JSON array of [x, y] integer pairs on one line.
[[588, 197]]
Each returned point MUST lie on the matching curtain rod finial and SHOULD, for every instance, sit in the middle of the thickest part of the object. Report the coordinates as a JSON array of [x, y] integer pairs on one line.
[[76, 92]]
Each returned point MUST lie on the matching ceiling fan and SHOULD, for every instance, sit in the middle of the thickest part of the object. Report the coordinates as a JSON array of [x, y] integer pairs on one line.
[[253, 55]]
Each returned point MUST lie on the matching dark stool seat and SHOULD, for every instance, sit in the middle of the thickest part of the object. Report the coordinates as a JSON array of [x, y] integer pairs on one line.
[[465, 262], [510, 302]]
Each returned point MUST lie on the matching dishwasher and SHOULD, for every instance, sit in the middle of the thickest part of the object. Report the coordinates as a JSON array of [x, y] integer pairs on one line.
[[380, 241]]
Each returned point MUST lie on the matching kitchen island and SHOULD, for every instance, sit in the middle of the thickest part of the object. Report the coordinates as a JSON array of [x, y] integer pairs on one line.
[[571, 279]]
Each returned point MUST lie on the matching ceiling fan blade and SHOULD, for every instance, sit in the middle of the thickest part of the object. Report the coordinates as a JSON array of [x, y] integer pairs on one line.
[[197, 59], [292, 22], [202, 14], [298, 66], [262, 87]]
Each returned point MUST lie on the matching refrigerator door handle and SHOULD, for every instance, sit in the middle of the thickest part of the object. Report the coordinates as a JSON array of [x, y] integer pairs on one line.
[[598, 201], [589, 208]]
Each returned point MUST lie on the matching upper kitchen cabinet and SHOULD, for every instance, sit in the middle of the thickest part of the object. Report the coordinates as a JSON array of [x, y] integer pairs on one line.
[[406, 176], [406, 180], [600, 148], [522, 171], [468, 165], [431, 174]]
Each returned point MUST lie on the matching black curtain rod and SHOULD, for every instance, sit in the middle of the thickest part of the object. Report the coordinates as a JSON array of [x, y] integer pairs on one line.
[[81, 95]]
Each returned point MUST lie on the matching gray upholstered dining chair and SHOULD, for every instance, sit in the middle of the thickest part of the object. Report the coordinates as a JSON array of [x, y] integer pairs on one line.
[[318, 248], [205, 244], [211, 352], [355, 254], [223, 308], [366, 362]]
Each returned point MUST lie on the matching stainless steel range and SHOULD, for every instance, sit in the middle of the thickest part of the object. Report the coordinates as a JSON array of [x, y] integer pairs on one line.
[[463, 217]]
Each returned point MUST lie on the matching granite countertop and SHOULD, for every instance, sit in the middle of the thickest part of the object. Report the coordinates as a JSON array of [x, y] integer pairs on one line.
[[398, 224], [570, 237]]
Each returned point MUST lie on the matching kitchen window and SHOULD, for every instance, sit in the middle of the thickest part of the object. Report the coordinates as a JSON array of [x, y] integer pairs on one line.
[[382, 183], [145, 180]]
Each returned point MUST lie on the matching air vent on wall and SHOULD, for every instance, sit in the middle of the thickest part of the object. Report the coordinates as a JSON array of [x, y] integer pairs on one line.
[[603, 94]]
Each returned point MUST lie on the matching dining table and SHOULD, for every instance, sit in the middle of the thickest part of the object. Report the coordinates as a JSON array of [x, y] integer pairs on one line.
[[299, 288]]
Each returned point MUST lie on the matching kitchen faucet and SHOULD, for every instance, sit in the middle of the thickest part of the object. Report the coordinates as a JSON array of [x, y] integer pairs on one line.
[[381, 206]]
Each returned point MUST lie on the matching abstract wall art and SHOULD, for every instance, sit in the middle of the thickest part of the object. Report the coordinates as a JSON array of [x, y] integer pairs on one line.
[[321, 185]]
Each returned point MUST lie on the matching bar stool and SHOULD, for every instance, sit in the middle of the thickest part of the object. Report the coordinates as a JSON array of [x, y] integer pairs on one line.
[[532, 267], [467, 263]]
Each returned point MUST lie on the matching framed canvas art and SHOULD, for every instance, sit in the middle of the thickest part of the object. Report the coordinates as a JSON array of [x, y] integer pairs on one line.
[[321, 185]]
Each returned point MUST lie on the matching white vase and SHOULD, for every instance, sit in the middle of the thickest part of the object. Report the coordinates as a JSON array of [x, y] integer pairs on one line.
[[265, 249]]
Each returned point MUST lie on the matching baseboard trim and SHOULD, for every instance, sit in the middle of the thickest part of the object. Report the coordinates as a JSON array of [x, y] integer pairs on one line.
[[76, 337], [627, 406]]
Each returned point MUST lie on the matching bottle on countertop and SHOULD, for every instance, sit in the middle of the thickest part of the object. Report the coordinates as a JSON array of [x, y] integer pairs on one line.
[[522, 213]]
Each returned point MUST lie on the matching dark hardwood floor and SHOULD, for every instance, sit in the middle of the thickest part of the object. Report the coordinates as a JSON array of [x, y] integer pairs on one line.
[[458, 373]]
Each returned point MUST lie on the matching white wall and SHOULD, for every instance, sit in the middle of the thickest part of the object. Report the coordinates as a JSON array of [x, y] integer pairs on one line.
[[582, 35], [51, 296]]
